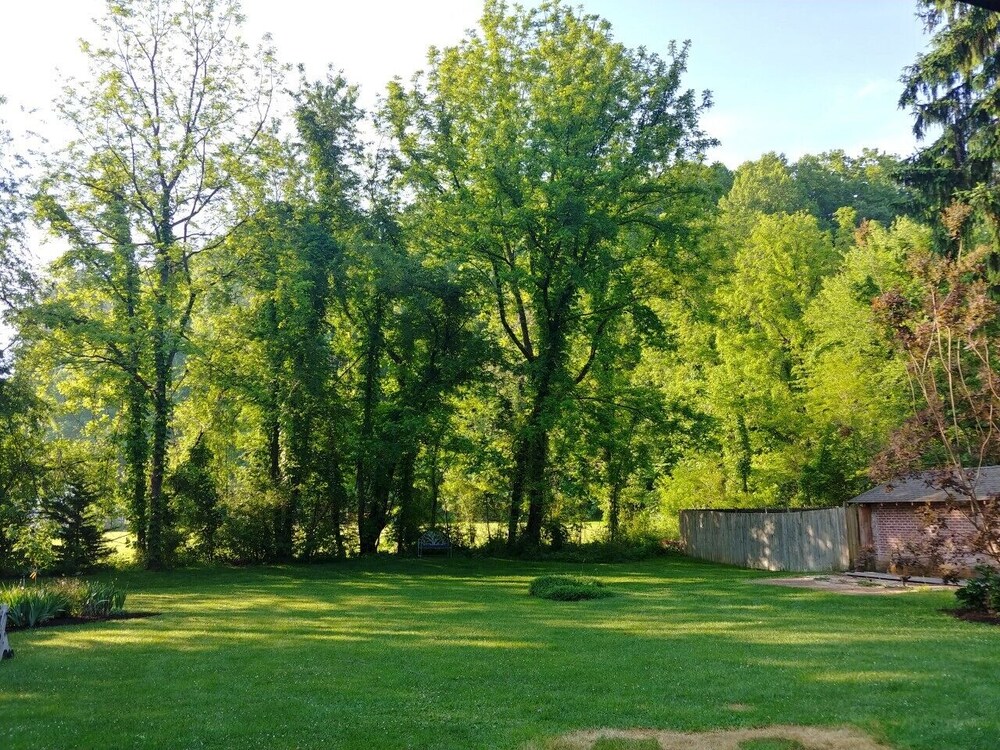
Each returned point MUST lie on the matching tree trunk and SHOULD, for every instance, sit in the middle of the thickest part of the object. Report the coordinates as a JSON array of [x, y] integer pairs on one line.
[[135, 407], [614, 496], [744, 462], [435, 483], [369, 531], [407, 520], [136, 439], [536, 485], [338, 503], [369, 525], [378, 509], [535, 440], [516, 494], [272, 429], [284, 524], [298, 473], [136, 454], [158, 522]]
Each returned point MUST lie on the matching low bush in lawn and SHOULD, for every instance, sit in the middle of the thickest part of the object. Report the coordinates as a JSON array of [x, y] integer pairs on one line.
[[568, 588], [982, 593], [34, 604]]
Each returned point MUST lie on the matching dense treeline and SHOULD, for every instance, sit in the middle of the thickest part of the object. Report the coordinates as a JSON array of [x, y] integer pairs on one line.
[[532, 304]]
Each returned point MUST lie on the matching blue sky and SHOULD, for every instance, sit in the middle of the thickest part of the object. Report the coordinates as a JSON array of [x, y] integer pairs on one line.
[[798, 76], [795, 76]]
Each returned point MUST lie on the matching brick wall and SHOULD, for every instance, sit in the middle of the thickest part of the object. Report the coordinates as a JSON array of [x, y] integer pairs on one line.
[[894, 524]]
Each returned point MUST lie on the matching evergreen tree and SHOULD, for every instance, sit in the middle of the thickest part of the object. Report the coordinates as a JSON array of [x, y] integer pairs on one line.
[[954, 88], [79, 527]]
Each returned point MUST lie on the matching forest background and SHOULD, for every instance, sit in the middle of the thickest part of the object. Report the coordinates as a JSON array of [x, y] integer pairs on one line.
[[513, 299]]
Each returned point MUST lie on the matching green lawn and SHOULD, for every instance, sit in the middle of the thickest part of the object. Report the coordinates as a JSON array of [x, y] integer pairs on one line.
[[452, 653]]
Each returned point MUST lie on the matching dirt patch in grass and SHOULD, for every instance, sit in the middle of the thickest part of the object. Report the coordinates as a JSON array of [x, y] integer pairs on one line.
[[58, 622], [846, 584], [973, 615], [784, 737]]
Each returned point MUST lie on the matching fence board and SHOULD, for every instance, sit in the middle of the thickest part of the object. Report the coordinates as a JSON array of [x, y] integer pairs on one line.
[[853, 534], [803, 540]]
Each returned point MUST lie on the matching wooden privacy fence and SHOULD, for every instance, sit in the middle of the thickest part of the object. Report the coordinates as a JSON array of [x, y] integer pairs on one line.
[[806, 540]]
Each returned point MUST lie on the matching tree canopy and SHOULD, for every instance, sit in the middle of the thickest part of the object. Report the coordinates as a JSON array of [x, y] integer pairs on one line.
[[514, 302]]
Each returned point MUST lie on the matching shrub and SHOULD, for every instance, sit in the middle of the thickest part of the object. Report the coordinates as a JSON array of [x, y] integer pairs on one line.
[[246, 535], [33, 548], [981, 593], [866, 558], [195, 498], [32, 605], [672, 546], [626, 549], [567, 588]]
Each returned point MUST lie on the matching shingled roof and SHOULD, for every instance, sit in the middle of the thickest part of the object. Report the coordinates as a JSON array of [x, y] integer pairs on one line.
[[917, 490]]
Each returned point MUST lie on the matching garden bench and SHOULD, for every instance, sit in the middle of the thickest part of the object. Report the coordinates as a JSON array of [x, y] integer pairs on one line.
[[433, 541], [6, 652]]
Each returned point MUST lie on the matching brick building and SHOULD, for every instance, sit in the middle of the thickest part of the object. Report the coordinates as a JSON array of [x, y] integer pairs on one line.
[[890, 515]]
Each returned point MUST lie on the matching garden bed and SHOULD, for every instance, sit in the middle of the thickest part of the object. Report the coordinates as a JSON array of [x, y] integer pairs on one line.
[[57, 622], [61, 600], [973, 615]]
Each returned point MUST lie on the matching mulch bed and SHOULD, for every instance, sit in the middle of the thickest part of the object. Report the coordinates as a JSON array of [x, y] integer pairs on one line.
[[61, 621], [973, 615]]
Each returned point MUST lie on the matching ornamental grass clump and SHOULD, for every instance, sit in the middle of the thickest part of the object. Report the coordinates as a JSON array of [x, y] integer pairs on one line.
[[568, 588]]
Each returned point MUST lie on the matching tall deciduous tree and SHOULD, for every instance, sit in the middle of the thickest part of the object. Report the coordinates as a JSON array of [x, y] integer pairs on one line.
[[15, 276], [867, 183], [754, 391], [764, 186], [164, 127], [546, 158], [853, 388], [20, 428], [348, 344]]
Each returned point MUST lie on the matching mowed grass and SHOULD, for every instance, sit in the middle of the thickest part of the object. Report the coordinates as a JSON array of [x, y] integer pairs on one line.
[[453, 653]]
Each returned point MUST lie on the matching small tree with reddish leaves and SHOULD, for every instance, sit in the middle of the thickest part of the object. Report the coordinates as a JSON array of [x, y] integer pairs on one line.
[[948, 331]]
